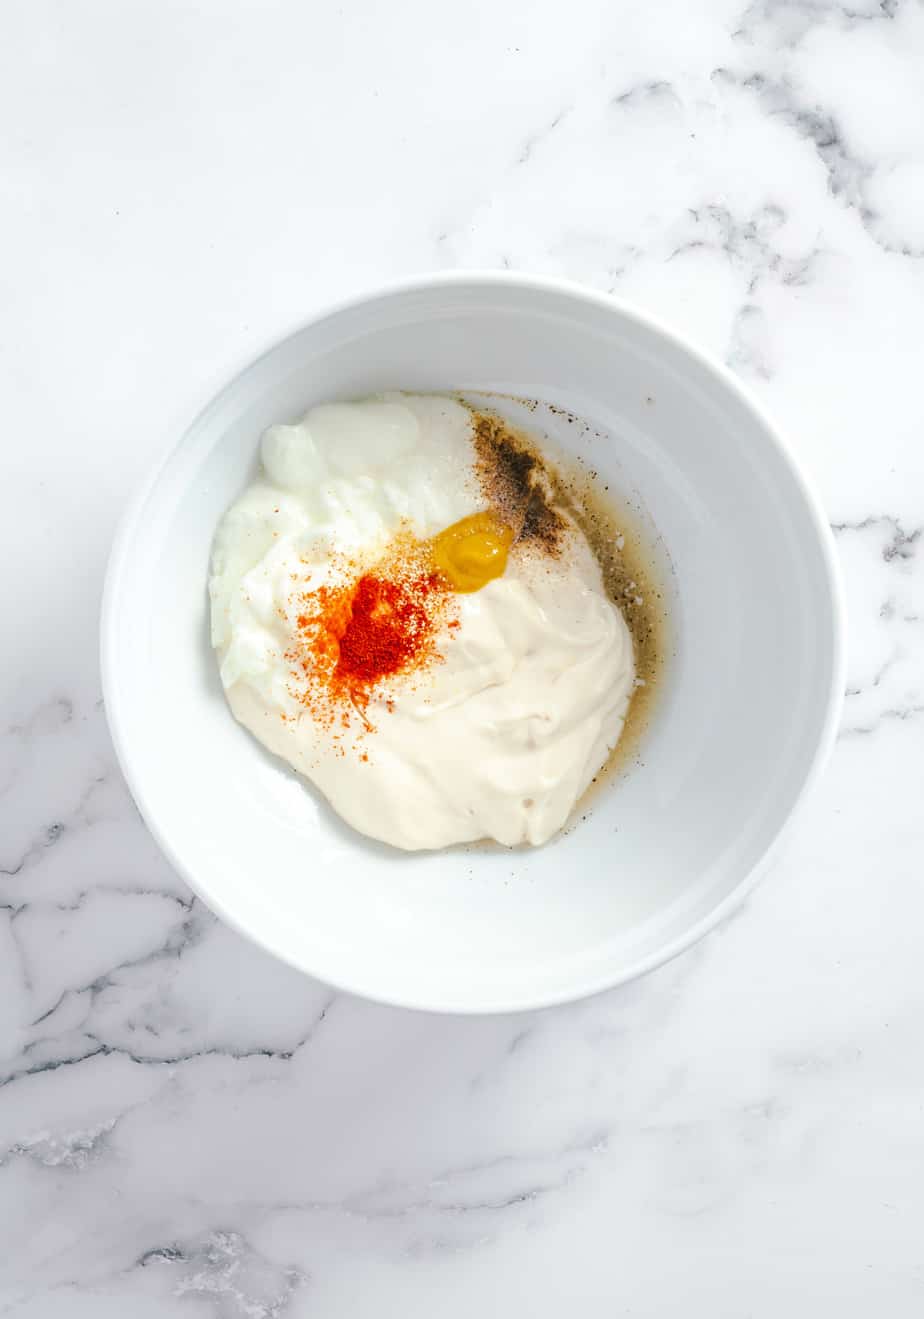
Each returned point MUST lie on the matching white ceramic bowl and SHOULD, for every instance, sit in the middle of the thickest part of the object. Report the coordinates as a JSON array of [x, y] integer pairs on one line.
[[748, 711]]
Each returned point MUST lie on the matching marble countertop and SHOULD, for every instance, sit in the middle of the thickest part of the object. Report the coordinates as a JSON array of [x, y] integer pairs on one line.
[[187, 1128]]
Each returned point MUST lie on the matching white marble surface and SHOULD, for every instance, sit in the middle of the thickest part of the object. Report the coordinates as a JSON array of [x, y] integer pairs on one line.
[[188, 1128]]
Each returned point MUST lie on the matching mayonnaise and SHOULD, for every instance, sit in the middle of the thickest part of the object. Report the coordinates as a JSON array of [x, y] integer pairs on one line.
[[499, 737]]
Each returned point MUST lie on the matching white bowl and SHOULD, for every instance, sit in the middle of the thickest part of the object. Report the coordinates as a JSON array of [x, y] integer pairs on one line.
[[748, 712]]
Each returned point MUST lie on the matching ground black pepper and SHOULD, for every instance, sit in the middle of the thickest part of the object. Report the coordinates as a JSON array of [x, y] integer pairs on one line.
[[517, 484]]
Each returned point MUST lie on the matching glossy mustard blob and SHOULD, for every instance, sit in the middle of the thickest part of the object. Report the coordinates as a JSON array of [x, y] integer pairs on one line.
[[473, 551]]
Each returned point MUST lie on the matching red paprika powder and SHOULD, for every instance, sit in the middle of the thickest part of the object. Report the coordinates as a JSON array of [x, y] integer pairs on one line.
[[353, 637], [388, 627]]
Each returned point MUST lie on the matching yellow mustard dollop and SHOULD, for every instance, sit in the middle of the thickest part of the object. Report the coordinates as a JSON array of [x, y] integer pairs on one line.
[[473, 551]]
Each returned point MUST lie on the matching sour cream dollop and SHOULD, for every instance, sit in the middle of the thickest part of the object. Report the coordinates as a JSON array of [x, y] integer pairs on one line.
[[531, 675]]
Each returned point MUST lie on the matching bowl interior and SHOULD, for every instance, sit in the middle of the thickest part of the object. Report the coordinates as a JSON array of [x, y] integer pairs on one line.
[[748, 696]]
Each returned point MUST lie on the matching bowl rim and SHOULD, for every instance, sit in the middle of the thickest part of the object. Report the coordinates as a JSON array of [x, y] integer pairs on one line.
[[433, 282]]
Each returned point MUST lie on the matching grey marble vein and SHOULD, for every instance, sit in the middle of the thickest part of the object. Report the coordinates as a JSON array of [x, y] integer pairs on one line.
[[788, 22], [226, 1271], [900, 543], [848, 172]]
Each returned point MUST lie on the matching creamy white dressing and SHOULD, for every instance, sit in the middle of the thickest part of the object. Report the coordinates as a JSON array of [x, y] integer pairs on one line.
[[496, 741]]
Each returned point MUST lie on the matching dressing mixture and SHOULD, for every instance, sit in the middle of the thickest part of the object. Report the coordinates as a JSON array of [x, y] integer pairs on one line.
[[405, 612]]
